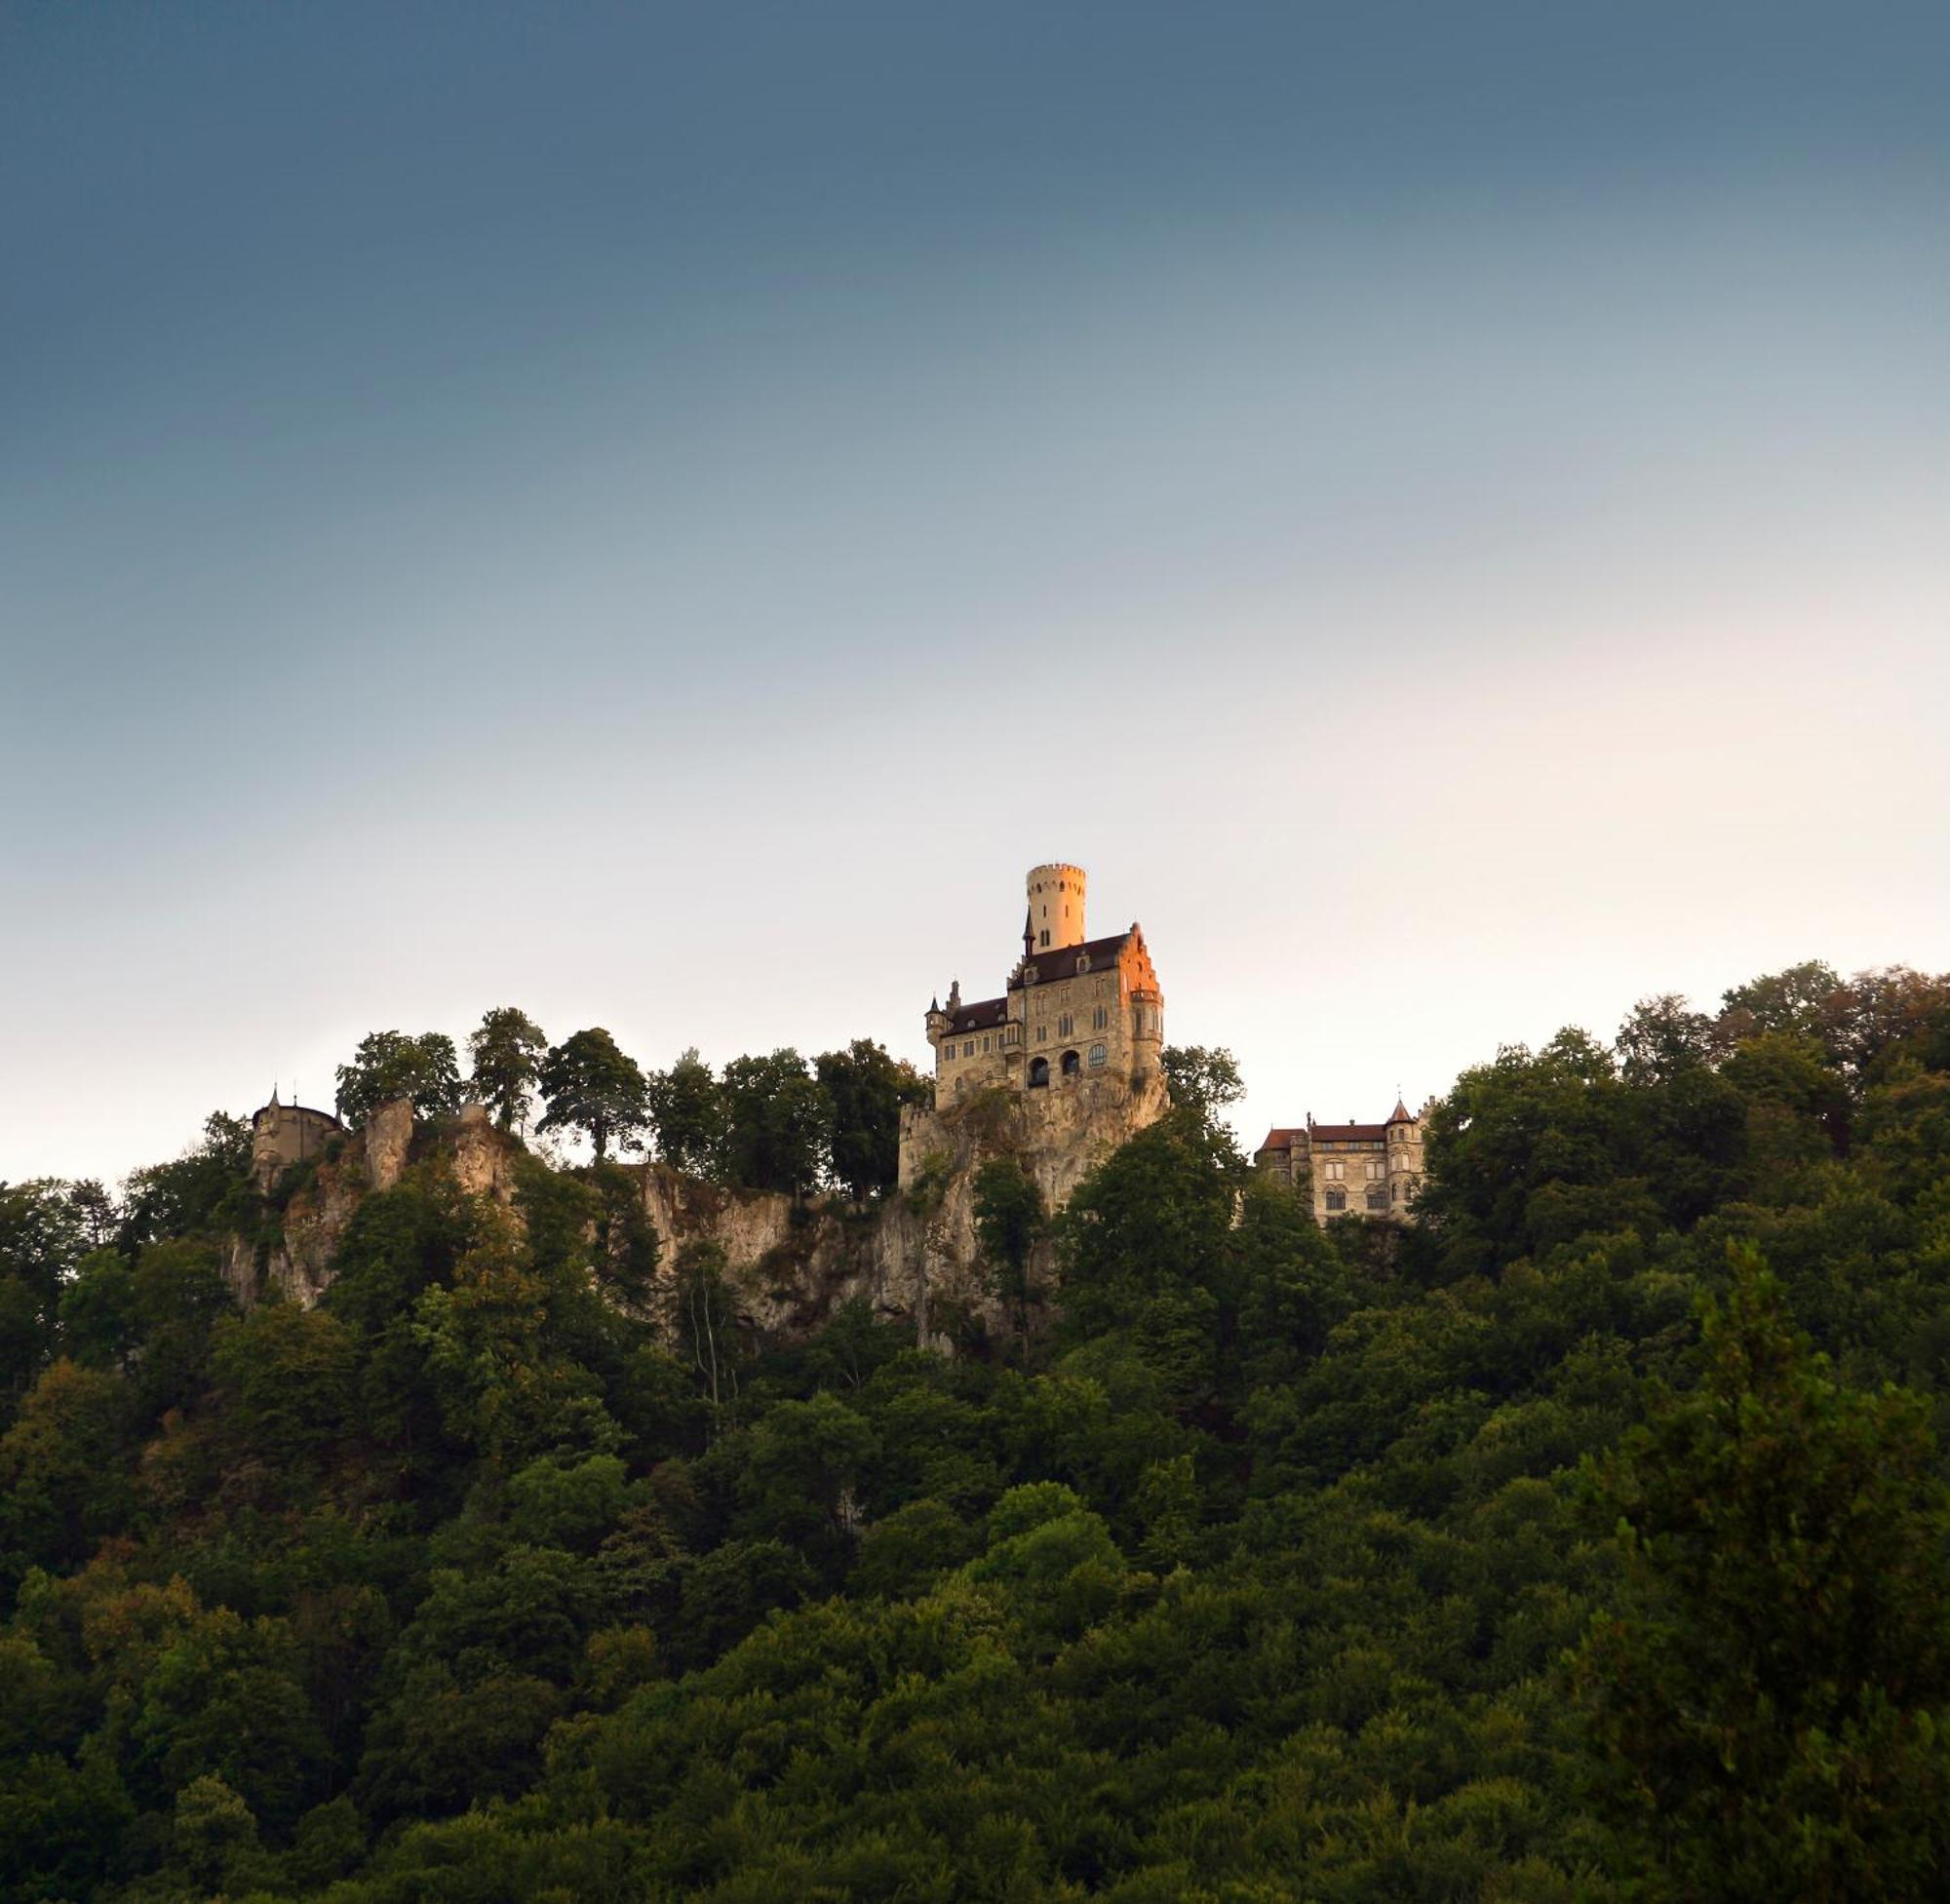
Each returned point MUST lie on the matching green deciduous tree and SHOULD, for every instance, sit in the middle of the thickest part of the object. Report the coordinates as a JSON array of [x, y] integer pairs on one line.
[[390, 1064], [590, 1086], [1201, 1080], [192, 1192], [1773, 1687], [687, 1115], [865, 1090], [779, 1122], [506, 1053]]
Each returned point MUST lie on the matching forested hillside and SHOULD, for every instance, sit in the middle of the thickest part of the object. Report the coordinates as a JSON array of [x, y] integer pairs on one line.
[[1586, 1541]]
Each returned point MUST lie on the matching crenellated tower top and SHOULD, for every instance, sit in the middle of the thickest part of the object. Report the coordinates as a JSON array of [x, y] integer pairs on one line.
[[1056, 907]]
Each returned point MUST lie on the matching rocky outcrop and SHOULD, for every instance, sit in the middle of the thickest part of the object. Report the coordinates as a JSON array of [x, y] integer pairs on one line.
[[791, 1261], [293, 1254]]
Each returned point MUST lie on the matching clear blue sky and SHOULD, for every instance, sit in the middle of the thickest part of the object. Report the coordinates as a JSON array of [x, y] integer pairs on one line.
[[659, 515]]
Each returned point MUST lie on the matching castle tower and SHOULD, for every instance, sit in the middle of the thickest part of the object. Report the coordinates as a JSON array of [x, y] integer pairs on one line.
[[1056, 907]]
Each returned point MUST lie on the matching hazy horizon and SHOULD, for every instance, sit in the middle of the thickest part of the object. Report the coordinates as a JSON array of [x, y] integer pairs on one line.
[[661, 519]]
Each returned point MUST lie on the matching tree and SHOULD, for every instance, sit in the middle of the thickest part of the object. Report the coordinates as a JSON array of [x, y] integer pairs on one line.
[[62, 1485], [192, 1192], [506, 1053], [590, 1086], [1661, 1039], [866, 1090], [98, 1310], [1773, 1687], [687, 1111], [780, 1123], [389, 1065], [42, 1236], [1009, 1221], [1201, 1080]]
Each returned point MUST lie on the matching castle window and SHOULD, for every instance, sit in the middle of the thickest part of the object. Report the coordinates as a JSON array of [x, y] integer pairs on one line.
[[1378, 1198], [968, 1049], [1043, 937], [1083, 961], [1064, 1026], [1071, 1064], [1101, 1019], [1097, 1055], [1337, 1199], [984, 1044], [1038, 1073]]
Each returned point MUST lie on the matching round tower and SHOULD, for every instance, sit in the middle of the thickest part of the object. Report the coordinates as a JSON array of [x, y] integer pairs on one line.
[[1056, 907]]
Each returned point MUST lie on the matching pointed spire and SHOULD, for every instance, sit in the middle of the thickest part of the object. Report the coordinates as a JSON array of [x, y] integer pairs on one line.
[[1400, 1113], [1028, 931]]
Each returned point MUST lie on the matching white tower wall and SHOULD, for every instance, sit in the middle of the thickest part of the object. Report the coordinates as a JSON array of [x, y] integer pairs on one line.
[[1056, 907]]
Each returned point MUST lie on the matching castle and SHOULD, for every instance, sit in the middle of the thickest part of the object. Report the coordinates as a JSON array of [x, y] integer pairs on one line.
[[285, 1134], [1372, 1170], [1074, 1043], [1074, 1006]]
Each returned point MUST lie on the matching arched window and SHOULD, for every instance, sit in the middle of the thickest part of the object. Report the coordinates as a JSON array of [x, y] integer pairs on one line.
[[1038, 1073], [1071, 1064], [1337, 1199], [1097, 1055], [1378, 1198]]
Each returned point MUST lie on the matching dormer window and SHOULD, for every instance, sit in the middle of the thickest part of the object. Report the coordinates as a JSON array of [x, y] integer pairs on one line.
[[1083, 961]]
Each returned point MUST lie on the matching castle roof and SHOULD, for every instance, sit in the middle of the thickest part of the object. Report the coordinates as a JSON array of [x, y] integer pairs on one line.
[[1280, 1138], [1400, 1113], [1060, 962], [983, 1016], [1343, 1133], [304, 1109]]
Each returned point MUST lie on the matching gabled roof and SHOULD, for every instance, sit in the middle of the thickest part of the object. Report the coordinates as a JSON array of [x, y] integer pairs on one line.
[[1280, 1138], [982, 1017], [1059, 962]]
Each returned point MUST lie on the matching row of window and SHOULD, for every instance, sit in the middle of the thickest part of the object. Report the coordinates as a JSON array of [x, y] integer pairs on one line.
[[1377, 1197], [1071, 1064], [1335, 1173], [1066, 1028]]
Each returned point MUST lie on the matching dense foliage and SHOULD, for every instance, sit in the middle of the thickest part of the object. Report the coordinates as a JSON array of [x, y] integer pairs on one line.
[[1587, 1541]]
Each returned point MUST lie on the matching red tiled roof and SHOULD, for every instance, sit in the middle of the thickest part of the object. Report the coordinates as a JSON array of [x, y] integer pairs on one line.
[[1342, 1133], [1278, 1138], [1059, 962]]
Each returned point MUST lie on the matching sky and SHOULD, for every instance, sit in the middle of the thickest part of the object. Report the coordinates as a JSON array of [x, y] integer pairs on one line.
[[660, 516]]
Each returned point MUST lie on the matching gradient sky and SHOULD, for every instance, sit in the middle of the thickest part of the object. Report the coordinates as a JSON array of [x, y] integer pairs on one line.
[[659, 515]]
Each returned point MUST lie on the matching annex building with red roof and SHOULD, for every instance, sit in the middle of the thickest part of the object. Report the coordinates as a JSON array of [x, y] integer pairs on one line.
[[1351, 1169]]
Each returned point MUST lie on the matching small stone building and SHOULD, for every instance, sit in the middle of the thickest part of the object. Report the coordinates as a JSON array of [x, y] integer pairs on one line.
[[1074, 1007], [285, 1134], [1370, 1169]]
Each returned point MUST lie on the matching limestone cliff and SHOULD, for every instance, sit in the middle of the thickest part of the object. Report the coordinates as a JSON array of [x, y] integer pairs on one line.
[[913, 1256]]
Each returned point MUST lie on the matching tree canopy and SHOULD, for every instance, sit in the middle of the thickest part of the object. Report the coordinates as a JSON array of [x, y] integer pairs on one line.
[[1585, 1541]]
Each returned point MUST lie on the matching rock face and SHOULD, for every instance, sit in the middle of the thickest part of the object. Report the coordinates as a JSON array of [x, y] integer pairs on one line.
[[294, 1258], [790, 1263]]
